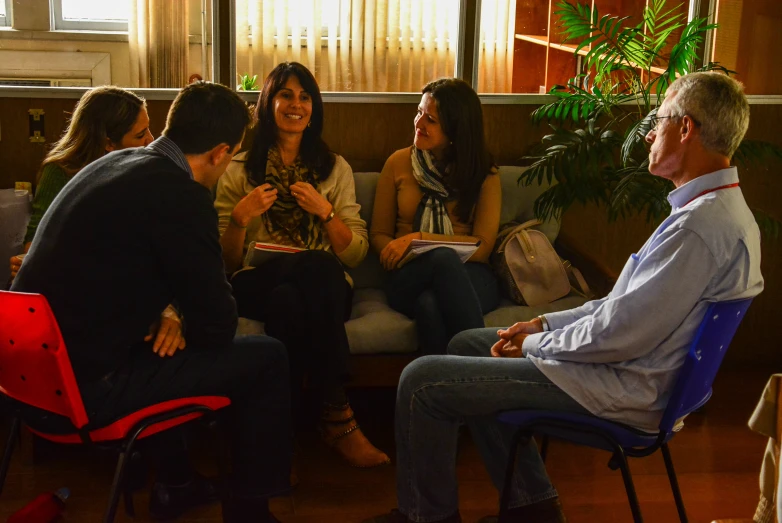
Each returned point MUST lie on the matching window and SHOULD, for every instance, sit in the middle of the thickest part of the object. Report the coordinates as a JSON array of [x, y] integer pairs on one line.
[[91, 15], [5, 12], [746, 41], [351, 45]]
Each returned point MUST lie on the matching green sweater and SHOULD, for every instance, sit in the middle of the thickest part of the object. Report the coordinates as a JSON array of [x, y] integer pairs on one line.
[[53, 179]]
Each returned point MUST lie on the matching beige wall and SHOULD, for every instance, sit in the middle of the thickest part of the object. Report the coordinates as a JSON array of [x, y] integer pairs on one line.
[[115, 45]]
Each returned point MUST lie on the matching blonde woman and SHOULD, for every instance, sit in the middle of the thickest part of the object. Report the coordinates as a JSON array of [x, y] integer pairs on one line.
[[106, 119]]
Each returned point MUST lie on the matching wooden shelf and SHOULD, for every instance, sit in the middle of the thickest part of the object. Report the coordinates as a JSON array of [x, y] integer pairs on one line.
[[535, 39], [571, 48]]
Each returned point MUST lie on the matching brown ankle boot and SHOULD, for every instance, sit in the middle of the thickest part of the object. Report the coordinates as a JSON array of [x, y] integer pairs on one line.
[[339, 430]]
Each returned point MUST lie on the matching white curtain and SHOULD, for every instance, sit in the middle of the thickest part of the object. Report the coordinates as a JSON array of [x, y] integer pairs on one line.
[[350, 45], [495, 59], [158, 40]]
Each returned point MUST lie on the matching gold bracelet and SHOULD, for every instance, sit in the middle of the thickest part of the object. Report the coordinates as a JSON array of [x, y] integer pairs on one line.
[[235, 223]]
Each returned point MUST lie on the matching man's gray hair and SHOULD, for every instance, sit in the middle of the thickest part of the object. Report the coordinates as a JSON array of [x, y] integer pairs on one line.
[[717, 103]]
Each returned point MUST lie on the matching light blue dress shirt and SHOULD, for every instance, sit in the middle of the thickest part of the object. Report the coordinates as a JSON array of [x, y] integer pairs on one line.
[[619, 356]]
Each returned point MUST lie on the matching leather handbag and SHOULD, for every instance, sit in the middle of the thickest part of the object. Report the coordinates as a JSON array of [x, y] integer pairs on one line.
[[530, 270]]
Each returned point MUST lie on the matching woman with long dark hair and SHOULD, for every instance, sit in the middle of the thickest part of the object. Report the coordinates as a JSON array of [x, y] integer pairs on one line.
[[291, 190], [105, 119], [443, 188]]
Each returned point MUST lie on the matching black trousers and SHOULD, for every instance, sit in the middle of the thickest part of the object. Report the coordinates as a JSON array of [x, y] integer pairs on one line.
[[304, 301], [253, 373]]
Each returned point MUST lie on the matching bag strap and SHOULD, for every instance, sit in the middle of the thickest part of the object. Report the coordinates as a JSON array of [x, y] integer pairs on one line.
[[577, 281], [509, 232]]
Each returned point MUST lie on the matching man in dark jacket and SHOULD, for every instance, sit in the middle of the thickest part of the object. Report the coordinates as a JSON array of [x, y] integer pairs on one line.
[[134, 232]]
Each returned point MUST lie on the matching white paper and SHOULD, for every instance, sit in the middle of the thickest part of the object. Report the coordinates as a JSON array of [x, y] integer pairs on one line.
[[418, 247]]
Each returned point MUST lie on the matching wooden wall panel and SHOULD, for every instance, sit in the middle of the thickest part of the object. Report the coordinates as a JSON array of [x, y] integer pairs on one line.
[[366, 134], [19, 158]]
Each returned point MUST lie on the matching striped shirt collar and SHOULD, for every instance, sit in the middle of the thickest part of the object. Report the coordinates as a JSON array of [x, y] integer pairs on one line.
[[169, 149]]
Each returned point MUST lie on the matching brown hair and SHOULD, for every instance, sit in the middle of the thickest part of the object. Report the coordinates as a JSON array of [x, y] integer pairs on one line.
[[467, 162], [103, 112], [315, 154]]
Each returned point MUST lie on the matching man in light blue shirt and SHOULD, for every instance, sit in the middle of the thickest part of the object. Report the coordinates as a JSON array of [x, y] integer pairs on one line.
[[617, 357]]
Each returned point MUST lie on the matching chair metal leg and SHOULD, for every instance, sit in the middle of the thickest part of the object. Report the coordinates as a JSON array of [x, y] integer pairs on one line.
[[506, 489], [116, 486], [9, 450], [677, 494], [544, 448], [619, 456], [127, 497]]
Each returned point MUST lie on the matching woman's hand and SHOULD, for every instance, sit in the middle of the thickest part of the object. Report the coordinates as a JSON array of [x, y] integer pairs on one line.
[[167, 333], [257, 202], [311, 200], [396, 249]]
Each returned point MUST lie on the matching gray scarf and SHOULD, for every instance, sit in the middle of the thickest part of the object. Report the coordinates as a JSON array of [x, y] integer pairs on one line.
[[431, 215]]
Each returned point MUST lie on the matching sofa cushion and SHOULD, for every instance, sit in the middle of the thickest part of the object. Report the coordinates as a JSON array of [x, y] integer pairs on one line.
[[375, 328]]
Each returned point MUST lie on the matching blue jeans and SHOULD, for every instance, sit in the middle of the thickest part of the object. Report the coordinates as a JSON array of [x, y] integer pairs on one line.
[[443, 295], [437, 394]]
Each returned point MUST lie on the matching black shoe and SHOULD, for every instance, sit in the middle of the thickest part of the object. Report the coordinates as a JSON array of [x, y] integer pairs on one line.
[[168, 502], [547, 511], [397, 517], [247, 511]]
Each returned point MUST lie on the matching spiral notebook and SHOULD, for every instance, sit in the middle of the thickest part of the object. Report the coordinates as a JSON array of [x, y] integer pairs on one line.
[[418, 247], [258, 253]]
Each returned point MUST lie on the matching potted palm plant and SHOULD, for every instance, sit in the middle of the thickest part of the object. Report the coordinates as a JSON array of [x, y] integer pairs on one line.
[[596, 152]]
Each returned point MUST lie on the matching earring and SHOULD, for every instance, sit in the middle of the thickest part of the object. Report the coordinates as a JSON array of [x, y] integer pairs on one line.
[[309, 123]]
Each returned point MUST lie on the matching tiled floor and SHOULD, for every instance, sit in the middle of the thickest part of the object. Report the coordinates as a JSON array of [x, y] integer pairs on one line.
[[716, 456]]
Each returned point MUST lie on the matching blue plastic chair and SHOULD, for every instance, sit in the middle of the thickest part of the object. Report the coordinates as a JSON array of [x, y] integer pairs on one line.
[[692, 390]]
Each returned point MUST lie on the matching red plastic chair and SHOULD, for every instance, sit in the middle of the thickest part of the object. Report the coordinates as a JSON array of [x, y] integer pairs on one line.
[[35, 370]]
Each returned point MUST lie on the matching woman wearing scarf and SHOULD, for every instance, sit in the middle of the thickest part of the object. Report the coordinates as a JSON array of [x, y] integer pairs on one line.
[[290, 189], [443, 188]]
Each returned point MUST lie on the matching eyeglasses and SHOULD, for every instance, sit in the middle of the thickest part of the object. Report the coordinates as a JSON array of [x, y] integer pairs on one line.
[[654, 120]]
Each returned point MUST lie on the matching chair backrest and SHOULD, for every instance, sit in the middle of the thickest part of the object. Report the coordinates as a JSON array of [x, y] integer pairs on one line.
[[34, 364], [708, 347]]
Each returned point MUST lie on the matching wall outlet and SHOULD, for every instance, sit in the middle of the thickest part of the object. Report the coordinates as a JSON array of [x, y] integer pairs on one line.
[[36, 125]]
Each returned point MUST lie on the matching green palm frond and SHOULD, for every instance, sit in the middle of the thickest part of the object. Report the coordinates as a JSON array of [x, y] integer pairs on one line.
[[767, 224], [684, 53], [638, 191], [605, 161], [611, 42], [578, 160], [754, 153], [635, 137]]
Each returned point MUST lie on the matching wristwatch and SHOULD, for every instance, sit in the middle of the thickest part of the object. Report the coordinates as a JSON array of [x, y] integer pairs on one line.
[[543, 323], [330, 216]]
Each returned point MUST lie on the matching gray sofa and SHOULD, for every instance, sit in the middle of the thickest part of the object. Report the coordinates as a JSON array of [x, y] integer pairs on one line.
[[375, 328]]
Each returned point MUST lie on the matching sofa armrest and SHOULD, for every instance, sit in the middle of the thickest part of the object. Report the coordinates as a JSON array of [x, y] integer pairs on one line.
[[600, 277]]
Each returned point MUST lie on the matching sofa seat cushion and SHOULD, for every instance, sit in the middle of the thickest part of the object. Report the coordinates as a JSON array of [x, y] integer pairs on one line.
[[509, 313], [375, 328]]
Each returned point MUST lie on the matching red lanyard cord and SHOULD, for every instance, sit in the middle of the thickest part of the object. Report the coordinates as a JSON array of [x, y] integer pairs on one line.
[[707, 191]]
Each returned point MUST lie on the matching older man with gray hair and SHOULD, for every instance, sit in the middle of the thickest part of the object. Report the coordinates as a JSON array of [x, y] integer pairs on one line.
[[616, 357]]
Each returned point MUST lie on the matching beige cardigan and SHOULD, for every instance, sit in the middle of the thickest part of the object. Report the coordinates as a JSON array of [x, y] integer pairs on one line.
[[339, 189]]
